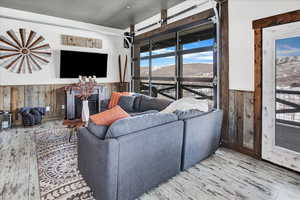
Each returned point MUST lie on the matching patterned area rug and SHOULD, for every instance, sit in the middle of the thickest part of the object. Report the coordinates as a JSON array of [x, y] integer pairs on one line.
[[57, 166], [224, 176]]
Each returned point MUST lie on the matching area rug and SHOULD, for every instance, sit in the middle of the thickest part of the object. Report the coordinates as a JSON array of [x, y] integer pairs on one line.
[[225, 175], [59, 177]]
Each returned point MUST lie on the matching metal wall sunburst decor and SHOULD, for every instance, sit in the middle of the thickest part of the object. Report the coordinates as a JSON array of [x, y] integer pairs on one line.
[[22, 54]]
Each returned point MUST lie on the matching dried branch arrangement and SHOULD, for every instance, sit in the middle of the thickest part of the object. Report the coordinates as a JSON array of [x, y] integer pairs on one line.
[[85, 87]]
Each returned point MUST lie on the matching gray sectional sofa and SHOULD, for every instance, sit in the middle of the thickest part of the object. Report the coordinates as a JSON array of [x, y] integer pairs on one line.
[[133, 155]]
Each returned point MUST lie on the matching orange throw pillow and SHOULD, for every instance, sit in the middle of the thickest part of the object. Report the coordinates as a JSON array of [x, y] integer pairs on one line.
[[115, 97], [107, 117]]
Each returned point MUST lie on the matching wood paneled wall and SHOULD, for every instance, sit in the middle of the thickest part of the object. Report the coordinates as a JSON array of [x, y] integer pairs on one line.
[[241, 121], [12, 98]]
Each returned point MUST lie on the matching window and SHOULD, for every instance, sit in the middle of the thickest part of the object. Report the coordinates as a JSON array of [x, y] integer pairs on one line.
[[196, 37], [197, 64], [163, 67], [144, 68], [178, 64], [287, 80]]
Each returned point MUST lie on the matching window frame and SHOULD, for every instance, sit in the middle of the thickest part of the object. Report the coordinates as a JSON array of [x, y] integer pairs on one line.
[[178, 78]]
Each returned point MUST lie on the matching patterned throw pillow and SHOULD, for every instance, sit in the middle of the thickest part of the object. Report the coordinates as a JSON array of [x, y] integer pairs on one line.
[[115, 97], [108, 117], [187, 103]]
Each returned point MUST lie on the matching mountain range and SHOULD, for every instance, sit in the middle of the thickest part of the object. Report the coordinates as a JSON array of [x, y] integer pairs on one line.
[[194, 70], [288, 71]]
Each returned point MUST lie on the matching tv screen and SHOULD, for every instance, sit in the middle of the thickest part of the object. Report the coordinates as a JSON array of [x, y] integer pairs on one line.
[[74, 64]]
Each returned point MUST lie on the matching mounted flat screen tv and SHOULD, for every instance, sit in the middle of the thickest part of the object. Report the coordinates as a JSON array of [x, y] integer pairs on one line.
[[74, 64]]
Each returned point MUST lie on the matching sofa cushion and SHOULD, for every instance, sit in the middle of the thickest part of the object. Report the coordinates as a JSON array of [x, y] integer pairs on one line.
[[107, 117], [137, 101], [151, 103], [126, 103], [187, 103], [97, 130], [187, 114], [137, 123], [115, 97], [143, 113]]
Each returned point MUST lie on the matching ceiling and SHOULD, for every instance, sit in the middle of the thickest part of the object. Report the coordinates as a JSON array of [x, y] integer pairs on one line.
[[111, 13]]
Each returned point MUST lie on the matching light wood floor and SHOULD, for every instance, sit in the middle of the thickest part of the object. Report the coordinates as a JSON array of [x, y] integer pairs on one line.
[[226, 175]]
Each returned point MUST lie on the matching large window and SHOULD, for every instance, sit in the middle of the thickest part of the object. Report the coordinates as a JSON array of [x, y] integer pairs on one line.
[[177, 64]]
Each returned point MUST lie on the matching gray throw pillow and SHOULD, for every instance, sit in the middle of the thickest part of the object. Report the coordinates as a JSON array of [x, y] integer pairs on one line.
[[142, 113], [127, 103], [104, 104], [187, 114], [97, 130], [137, 102], [151, 103]]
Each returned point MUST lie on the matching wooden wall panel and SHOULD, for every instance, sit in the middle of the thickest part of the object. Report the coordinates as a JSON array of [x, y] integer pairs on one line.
[[1, 98], [6, 98], [248, 123], [12, 98], [241, 118], [17, 101]]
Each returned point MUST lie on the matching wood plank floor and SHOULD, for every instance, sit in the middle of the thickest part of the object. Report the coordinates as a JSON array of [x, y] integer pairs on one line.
[[226, 175]]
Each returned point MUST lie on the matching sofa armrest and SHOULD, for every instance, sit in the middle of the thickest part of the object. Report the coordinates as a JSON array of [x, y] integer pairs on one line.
[[98, 163], [201, 137]]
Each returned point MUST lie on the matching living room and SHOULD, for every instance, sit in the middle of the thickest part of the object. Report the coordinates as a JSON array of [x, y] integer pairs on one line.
[[162, 99]]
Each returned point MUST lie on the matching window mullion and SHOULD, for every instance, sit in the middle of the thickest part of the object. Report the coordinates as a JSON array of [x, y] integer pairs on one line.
[[150, 68]]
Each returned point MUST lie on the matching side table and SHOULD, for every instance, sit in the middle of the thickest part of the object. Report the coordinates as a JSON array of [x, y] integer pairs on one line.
[[73, 125]]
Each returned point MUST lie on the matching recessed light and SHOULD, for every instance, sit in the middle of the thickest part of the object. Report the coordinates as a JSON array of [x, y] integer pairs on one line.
[[128, 7]]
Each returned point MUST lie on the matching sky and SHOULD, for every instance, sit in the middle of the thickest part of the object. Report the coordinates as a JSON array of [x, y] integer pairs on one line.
[[288, 47], [203, 57]]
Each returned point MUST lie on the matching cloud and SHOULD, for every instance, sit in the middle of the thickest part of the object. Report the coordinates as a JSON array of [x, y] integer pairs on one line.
[[287, 50], [208, 56], [161, 51]]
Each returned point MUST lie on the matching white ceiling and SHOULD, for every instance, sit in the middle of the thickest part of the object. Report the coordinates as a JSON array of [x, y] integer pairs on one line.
[[111, 13]]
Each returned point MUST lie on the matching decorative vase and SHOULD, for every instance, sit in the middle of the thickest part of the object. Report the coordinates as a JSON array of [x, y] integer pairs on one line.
[[85, 114]]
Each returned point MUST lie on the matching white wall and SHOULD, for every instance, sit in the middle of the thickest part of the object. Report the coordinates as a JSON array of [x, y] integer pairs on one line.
[[241, 36], [52, 28], [173, 10]]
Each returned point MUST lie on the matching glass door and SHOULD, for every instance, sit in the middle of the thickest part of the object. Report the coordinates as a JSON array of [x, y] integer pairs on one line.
[[178, 64], [197, 63], [281, 95]]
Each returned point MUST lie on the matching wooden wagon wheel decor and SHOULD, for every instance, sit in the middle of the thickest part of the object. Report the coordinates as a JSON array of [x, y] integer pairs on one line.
[[23, 52]]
